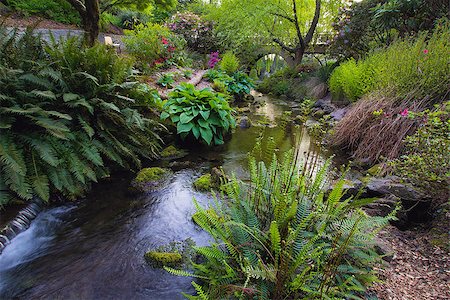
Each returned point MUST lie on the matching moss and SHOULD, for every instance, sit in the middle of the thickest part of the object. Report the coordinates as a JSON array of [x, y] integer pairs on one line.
[[203, 183], [163, 258], [375, 170], [150, 174], [171, 151]]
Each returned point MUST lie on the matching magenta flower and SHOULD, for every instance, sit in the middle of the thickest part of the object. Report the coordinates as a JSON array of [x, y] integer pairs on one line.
[[404, 113], [425, 51]]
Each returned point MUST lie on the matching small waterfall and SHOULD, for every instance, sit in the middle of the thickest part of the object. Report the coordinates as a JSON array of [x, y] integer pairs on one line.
[[20, 223]]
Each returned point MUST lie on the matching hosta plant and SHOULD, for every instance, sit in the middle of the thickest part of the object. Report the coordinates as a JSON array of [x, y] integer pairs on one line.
[[237, 85], [280, 236], [203, 114]]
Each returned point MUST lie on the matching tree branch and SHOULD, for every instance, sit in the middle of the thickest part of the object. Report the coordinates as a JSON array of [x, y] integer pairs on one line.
[[283, 16], [297, 27], [283, 46], [313, 26]]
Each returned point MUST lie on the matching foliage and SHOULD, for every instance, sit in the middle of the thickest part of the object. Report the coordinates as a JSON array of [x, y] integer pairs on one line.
[[373, 24], [237, 85], [229, 63], [203, 114], [166, 80], [57, 10], [408, 66], [129, 19], [426, 159], [65, 117], [279, 237], [197, 32], [154, 46]]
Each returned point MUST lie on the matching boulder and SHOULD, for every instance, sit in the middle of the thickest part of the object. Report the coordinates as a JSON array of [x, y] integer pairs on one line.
[[245, 122], [149, 179], [339, 114], [203, 183], [171, 152], [392, 185]]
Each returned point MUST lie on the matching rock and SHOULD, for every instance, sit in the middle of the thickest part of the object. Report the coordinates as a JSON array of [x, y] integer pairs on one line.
[[391, 185], [203, 183], [382, 206], [218, 177], [160, 259], [179, 165], [376, 170], [325, 105], [339, 114], [171, 152], [249, 98], [243, 109], [149, 179], [244, 122], [384, 249]]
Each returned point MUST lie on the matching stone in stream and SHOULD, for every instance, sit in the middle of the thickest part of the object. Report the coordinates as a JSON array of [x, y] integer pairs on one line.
[[171, 152], [160, 259], [150, 179], [245, 122]]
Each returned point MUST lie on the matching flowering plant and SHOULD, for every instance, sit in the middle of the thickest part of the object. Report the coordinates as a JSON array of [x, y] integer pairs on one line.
[[213, 59], [197, 32]]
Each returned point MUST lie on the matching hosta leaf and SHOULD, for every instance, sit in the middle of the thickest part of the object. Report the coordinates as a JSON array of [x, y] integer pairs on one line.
[[196, 131], [205, 114], [184, 127], [186, 118], [203, 123], [164, 115], [206, 134]]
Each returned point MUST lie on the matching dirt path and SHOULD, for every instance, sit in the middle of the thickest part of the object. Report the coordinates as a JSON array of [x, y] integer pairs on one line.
[[419, 270]]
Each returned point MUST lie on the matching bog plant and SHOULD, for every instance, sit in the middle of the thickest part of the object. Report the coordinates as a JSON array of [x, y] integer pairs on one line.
[[202, 114], [279, 236], [66, 115], [166, 80]]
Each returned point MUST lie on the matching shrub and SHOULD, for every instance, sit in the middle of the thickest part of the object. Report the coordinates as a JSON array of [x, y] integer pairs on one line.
[[229, 63], [166, 80], [154, 46], [279, 237], [130, 19], [426, 158], [65, 117], [237, 85], [418, 67], [197, 32], [57, 10], [203, 114]]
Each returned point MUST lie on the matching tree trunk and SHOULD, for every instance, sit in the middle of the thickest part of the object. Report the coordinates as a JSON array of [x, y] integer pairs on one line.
[[90, 21], [298, 56]]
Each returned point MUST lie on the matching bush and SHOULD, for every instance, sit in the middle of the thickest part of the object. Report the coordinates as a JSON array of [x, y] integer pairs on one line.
[[418, 67], [237, 85], [203, 114], [426, 158], [65, 117], [57, 10], [229, 63], [130, 19], [279, 237], [154, 46], [197, 32]]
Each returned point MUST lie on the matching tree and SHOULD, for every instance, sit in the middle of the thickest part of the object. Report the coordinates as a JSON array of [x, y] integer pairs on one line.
[[290, 25], [89, 11]]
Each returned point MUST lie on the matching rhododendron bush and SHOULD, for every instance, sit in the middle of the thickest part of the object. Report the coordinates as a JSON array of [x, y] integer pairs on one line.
[[197, 32]]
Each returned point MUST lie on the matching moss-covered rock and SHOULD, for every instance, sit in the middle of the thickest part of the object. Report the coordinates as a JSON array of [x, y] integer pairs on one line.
[[172, 152], [149, 179], [159, 259], [203, 183], [376, 170]]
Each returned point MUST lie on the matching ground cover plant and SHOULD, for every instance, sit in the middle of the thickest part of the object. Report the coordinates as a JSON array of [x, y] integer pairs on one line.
[[279, 237], [202, 114], [66, 116]]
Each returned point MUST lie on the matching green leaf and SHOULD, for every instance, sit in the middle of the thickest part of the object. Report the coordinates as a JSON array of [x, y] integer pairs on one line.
[[164, 115], [203, 123], [184, 127], [70, 97], [196, 131], [206, 134], [185, 118], [205, 114], [41, 187]]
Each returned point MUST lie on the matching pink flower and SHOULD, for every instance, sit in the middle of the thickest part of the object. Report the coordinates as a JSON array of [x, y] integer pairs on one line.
[[164, 41], [404, 113], [425, 51]]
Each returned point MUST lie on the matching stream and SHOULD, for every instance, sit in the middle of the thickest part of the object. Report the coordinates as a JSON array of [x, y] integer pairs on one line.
[[93, 248]]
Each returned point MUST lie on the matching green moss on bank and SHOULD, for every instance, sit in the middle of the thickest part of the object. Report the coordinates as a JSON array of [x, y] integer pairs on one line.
[[171, 152], [203, 183], [160, 259], [151, 174]]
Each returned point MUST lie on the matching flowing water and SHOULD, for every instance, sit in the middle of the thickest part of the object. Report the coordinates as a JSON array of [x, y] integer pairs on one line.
[[93, 249]]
